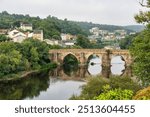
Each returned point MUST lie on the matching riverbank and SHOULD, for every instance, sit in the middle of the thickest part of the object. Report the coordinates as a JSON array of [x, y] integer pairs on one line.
[[24, 74]]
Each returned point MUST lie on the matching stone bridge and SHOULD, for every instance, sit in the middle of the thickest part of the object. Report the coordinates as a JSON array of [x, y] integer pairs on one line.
[[83, 55]]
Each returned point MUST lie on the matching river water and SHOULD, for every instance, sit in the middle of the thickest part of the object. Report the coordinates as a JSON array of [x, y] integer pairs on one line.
[[59, 84]]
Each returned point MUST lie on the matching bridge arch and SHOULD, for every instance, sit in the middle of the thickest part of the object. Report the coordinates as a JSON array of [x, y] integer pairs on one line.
[[115, 56], [94, 55], [69, 54], [82, 55]]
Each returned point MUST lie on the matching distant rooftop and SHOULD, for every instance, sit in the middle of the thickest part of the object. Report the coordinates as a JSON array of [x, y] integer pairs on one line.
[[25, 24]]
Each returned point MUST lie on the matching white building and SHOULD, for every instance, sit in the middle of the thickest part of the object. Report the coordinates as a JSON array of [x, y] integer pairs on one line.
[[26, 26], [69, 43], [19, 37], [51, 42], [95, 29], [66, 37], [12, 33], [38, 34]]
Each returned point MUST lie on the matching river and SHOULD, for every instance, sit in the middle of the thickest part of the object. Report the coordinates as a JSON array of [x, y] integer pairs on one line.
[[59, 84]]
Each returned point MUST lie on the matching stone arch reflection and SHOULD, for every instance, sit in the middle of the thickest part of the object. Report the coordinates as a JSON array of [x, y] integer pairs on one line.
[[117, 65], [82, 73], [94, 64]]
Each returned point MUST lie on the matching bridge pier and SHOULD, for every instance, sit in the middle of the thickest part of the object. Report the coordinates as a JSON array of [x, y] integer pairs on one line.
[[57, 55], [106, 62], [106, 71]]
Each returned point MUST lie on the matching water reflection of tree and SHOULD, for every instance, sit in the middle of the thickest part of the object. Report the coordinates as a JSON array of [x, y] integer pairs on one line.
[[24, 88], [70, 65]]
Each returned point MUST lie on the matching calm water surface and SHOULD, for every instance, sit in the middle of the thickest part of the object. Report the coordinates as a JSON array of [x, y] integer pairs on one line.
[[57, 84]]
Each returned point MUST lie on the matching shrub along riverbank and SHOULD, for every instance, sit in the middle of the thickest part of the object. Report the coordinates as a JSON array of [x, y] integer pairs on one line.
[[31, 55], [115, 88]]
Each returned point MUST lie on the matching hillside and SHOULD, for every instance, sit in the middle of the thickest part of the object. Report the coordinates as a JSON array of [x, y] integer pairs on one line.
[[136, 28], [53, 27], [88, 25]]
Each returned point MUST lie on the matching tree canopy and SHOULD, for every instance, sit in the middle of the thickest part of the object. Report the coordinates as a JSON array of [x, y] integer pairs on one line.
[[51, 26], [140, 48], [28, 55]]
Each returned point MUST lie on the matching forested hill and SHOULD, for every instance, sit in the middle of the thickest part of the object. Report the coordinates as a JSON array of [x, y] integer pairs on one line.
[[89, 25], [130, 28], [136, 28], [52, 26]]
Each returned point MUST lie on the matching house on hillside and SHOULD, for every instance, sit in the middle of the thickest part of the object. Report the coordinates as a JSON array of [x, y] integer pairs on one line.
[[66, 37], [38, 34], [69, 43], [12, 33], [3, 31], [17, 36], [26, 26], [52, 41]]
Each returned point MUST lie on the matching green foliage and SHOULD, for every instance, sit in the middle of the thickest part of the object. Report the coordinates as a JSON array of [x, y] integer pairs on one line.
[[51, 26], [143, 94], [83, 42], [124, 83], [11, 60], [70, 64], [144, 17], [127, 41], [3, 38], [16, 57], [88, 25], [93, 88], [97, 86], [140, 50], [115, 94]]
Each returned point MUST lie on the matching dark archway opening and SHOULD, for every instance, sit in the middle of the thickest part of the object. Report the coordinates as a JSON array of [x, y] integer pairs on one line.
[[70, 65]]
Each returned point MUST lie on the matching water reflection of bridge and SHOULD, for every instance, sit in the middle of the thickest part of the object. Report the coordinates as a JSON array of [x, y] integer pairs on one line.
[[82, 73]]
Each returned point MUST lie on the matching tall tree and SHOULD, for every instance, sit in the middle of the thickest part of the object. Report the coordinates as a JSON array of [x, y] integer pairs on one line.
[[140, 48], [144, 17]]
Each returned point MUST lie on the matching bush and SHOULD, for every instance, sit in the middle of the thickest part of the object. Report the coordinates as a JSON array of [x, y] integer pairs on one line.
[[91, 89], [115, 94], [114, 88], [143, 94], [124, 83]]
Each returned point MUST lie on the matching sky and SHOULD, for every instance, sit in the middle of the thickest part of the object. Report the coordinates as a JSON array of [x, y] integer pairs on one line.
[[114, 12]]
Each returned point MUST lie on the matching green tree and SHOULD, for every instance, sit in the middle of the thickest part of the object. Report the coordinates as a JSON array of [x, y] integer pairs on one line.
[[34, 58], [3, 38], [83, 42], [144, 17], [28, 55], [140, 48], [127, 41]]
